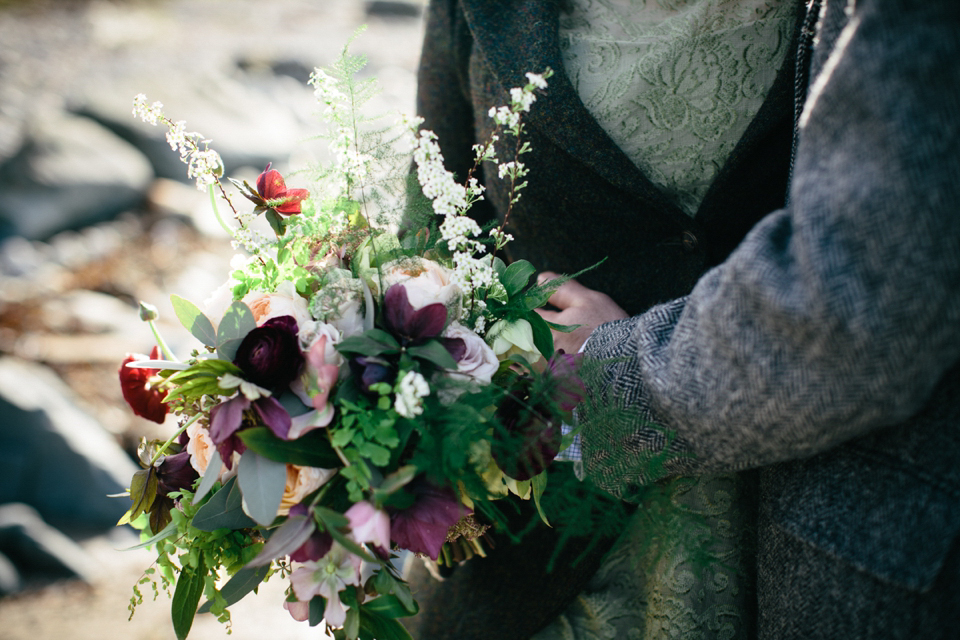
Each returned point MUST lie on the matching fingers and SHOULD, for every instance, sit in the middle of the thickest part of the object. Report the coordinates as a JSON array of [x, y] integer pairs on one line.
[[570, 294]]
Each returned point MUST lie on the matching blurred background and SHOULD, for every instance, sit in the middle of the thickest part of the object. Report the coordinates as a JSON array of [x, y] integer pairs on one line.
[[96, 214]]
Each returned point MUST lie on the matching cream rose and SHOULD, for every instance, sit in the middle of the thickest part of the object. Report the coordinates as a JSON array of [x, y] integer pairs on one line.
[[479, 362], [301, 482], [200, 446], [426, 283], [285, 301]]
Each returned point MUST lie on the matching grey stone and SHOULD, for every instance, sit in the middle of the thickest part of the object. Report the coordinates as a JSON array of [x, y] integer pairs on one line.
[[9, 577], [69, 172], [36, 548], [55, 457], [245, 126]]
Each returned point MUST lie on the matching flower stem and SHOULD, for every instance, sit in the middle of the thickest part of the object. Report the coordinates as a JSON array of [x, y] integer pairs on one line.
[[216, 211], [161, 342], [176, 435]]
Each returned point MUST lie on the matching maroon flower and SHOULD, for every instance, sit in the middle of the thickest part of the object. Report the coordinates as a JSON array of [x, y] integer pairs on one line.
[[316, 546], [275, 195], [409, 324], [175, 473], [528, 440], [226, 419], [270, 355], [145, 400], [422, 528]]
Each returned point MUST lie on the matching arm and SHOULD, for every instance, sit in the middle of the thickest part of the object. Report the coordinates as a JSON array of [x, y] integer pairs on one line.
[[835, 316]]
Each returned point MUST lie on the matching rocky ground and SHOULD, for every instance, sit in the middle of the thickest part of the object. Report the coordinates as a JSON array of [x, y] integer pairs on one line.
[[95, 216]]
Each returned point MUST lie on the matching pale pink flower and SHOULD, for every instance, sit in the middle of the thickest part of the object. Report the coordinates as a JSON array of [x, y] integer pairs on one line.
[[369, 524], [327, 577]]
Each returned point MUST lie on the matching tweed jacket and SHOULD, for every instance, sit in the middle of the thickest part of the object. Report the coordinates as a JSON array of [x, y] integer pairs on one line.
[[804, 322]]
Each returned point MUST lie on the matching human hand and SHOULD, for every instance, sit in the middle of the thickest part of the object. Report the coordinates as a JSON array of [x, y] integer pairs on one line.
[[577, 305]]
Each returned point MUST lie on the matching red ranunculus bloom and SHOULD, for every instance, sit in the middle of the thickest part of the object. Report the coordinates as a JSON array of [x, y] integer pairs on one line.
[[145, 400], [276, 196]]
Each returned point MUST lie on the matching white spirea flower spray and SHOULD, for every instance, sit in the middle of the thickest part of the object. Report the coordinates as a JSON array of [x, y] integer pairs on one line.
[[452, 199]]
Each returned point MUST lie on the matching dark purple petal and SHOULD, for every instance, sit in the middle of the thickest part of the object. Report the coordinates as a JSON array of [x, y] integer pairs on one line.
[[226, 417], [396, 308], [175, 473], [456, 346], [274, 416], [270, 355], [427, 322], [316, 546], [422, 528], [228, 447]]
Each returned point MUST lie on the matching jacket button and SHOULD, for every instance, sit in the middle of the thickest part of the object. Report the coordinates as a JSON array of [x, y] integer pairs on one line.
[[690, 242]]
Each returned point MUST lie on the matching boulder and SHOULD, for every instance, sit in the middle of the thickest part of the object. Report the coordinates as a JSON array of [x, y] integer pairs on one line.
[[69, 172], [56, 458], [246, 126]]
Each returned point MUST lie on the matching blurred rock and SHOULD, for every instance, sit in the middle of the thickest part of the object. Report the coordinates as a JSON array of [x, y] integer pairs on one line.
[[69, 172], [9, 576], [55, 457], [394, 8], [245, 126], [38, 550]]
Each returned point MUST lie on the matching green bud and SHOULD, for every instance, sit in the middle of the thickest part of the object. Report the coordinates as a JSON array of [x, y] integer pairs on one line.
[[148, 312]]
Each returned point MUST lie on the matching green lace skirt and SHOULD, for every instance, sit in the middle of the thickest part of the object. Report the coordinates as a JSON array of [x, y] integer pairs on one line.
[[682, 570]]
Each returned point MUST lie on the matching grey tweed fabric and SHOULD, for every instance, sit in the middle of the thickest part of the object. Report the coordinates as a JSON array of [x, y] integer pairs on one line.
[[825, 348]]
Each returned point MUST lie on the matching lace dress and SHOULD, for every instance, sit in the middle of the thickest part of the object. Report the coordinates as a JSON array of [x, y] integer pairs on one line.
[[675, 83]]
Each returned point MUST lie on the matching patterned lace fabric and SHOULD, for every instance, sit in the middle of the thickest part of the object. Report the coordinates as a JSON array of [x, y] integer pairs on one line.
[[682, 570], [675, 82]]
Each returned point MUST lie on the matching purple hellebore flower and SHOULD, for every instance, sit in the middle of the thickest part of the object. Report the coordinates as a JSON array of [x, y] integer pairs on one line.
[[270, 355], [371, 370], [422, 528], [410, 324], [227, 418], [316, 546], [175, 473]]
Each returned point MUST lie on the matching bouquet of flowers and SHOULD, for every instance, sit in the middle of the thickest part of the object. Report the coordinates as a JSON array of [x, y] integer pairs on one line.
[[360, 388]]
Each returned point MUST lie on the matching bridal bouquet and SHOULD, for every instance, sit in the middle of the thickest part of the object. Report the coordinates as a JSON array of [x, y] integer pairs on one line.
[[360, 388]]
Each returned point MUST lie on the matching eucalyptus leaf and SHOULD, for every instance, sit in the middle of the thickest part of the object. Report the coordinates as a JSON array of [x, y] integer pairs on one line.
[[312, 449], [261, 481], [517, 276], [237, 322], [186, 597], [243, 582], [223, 511], [433, 351], [194, 321], [286, 539], [210, 477]]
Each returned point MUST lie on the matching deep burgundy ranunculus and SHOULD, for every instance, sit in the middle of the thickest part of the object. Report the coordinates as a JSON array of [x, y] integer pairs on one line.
[[422, 528], [528, 441], [409, 324], [275, 195], [270, 355], [175, 473], [145, 400]]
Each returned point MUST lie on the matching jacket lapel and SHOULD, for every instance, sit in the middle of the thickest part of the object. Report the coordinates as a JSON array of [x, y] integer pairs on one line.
[[515, 37]]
